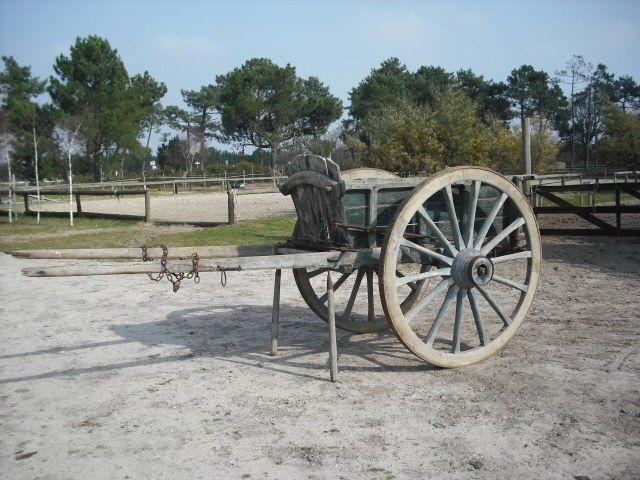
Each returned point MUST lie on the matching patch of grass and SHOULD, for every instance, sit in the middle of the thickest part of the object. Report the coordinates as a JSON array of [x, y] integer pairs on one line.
[[600, 198], [26, 225], [56, 233], [263, 230]]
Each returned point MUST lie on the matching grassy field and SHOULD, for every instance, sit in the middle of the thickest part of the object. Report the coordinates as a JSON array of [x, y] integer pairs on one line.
[[87, 233]]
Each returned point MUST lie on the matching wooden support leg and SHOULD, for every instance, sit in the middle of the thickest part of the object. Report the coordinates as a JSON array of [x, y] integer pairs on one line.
[[333, 347], [275, 314]]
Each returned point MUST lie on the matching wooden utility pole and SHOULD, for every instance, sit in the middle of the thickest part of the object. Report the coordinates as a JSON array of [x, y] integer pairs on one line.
[[526, 154]]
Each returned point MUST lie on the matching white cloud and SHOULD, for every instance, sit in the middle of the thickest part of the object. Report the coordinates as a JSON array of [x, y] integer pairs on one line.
[[179, 45]]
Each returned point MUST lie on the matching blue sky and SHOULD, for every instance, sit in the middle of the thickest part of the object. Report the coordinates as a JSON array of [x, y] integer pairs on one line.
[[186, 43]]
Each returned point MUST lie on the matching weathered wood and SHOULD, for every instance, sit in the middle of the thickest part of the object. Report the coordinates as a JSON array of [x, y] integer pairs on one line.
[[267, 262], [600, 232], [333, 346], [311, 178], [633, 192], [231, 207], [586, 210], [586, 216], [147, 206], [78, 204], [275, 313], [588, 187], [618, 210], [183, 253]]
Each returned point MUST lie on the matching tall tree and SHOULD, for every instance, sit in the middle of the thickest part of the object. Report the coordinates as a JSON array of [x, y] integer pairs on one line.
[[27, 122], [428, 83], [386, 85], [534, 93], [264, 105], [627, 93], [92, 84], [575, 74], [620, 145], [491, 97], [202, 104]]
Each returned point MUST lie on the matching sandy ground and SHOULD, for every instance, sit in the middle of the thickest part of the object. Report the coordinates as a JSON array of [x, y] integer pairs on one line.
[[195, 207], [118, 377]]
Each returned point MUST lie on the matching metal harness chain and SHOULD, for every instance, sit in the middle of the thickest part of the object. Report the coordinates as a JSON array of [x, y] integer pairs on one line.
[[174, 277]]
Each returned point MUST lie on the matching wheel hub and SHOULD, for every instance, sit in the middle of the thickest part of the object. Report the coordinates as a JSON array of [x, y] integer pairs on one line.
[[471, 269]]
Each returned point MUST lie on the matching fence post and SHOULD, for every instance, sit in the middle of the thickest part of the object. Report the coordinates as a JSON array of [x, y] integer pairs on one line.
[[618, 214], [78, 205], [26, 202], [231, 207], [175, 187], [147, 206]]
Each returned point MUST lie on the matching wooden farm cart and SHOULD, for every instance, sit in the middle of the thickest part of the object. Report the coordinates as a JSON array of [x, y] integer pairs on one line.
[[450, 262]]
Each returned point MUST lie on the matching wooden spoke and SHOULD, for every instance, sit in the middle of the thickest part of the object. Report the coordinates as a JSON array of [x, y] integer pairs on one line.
[[505, 318], [315, 273], [502, 235], [473, 303], [437, 232], [442, 313], [489, 221], [510, 283], [471, 213], [354, 293], [370, 298], [511, 256], [426, 251], [453, 218], [336, 286], [408, 282], [455, 347], [441, 287], [440, 272]]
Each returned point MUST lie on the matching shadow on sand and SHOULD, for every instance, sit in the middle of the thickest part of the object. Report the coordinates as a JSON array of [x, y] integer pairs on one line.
[[241, 335]]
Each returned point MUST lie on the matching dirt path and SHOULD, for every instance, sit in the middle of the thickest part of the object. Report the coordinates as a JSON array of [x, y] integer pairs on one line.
[[118, 377]]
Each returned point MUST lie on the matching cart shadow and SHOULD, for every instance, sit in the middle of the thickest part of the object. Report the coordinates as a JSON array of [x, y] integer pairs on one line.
[[242, 335]]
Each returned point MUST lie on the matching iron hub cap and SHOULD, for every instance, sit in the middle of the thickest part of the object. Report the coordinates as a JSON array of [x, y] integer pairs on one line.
[[471, 269]]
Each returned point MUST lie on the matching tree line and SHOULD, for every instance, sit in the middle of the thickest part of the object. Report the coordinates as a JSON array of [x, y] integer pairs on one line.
[[98, 119]]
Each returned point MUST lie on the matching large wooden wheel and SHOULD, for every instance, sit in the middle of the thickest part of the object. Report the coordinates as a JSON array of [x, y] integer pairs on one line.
[[466, 214], [356, 297]]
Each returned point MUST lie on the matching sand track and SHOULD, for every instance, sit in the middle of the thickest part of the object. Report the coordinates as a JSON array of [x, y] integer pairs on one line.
[[118, 377]]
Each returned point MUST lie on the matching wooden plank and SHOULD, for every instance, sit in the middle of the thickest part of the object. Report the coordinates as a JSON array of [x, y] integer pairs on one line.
[[586, 216], [310, 178], [154, 252], [634, 193], [332, 259], [587, 187], [609, 232], [582, 210], [112, 216]]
